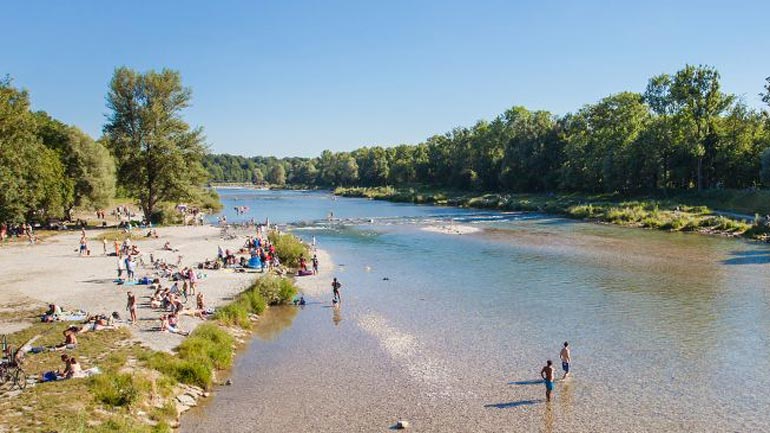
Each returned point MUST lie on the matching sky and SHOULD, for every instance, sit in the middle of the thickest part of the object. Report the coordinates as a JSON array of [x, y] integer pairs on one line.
[[292, 78]]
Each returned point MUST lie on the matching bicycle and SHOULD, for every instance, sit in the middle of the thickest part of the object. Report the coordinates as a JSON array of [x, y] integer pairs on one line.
[[13, 373]]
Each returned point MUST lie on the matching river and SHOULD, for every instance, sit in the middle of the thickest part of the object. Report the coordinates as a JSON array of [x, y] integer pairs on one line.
[[669, 331]]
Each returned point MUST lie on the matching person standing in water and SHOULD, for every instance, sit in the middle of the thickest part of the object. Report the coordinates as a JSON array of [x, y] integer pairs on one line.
[[547, 374], [336, 290], [566, 358]]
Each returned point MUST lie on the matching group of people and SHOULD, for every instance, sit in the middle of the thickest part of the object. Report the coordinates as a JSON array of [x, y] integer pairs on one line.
[[548, 373], [18, 230]]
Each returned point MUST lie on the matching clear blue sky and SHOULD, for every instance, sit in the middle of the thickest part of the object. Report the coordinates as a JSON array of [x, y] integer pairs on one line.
[[291, 78]]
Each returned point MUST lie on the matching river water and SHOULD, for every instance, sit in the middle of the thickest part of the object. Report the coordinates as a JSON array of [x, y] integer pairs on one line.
[[669, 332]]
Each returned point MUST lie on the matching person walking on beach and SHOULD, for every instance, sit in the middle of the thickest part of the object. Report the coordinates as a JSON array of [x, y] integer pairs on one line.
[[336, 290], [315, 264], [547, 373], [566, 358], [131, 306]]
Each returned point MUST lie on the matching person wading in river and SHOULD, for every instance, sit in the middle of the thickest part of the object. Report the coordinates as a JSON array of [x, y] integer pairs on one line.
[[336, 290], [566, 358], [547, 374]]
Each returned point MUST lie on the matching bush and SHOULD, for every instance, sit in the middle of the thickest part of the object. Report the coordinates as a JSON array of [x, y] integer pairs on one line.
[[189, 371], [288, 247], [119, 389], [210, 344]]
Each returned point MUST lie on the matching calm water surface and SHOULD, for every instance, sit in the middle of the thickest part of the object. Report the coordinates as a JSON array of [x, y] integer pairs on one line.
[[669, 332]]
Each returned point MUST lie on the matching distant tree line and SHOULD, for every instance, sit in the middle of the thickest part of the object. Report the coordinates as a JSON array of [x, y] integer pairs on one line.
[[683, 132]]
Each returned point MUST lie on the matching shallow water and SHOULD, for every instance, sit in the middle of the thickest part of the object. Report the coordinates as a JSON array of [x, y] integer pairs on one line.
[[669, 332]]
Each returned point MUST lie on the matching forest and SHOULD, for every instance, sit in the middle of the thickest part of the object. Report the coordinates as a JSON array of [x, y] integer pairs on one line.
[[682, 132]]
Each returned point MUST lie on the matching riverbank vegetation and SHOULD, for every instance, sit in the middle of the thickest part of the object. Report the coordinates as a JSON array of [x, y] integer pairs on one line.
[[673, 214], [680, 134], [136, 388]]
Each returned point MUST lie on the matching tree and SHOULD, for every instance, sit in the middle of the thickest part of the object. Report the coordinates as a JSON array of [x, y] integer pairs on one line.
[[159, 157], [277, 175], [696, 93], [32, 182], [258, 178], [88, 166]]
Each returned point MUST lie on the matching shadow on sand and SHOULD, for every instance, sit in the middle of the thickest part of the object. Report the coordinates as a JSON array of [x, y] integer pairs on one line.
[[511, 404]]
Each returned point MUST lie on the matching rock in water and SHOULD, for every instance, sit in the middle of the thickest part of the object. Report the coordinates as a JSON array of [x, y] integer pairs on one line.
[[401, 424]]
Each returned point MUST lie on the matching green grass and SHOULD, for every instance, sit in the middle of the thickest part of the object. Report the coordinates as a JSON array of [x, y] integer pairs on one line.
[[268, 290]]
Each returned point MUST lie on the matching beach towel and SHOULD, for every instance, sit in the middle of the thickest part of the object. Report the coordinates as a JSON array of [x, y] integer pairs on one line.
[[72, 316]]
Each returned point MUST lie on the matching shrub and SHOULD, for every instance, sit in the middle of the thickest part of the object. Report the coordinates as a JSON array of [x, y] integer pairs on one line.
[[118, 389], [288, 247], [209, 344]]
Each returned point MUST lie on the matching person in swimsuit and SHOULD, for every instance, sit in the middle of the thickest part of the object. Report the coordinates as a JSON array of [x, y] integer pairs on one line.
[[566, 358], [131, 306], [547, 374], [336, 290]]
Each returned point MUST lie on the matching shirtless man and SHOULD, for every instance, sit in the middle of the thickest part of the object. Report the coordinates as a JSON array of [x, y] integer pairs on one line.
[[336, 290], [131, 306], [566, 358], [547, 374]]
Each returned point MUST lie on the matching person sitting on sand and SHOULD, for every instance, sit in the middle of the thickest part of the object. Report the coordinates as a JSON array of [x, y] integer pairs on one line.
[[167, 246], [70, 338], [200, 301], [53, 313], [166, 324]]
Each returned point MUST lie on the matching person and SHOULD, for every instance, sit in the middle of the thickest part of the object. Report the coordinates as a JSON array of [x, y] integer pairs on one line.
[[315, 264], [121, 266], [73, 369], [200, 301], [566, 358], [192, 278], [131, 306], [104, 246], [83, 245], [116, 245], [70, 338], [302, 300], [131, 268], [547, 374], [53, 313], [336, 290]]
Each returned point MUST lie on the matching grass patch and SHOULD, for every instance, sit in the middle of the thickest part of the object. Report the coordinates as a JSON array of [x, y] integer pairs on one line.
[[268, 290]]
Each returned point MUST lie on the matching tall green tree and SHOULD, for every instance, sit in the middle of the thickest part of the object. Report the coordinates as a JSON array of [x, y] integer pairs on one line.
[[697, 94], [32, 182], [158, 155]]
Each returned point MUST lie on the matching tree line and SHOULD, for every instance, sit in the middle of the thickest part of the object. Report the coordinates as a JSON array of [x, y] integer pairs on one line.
[[147, 152], [681, 133]]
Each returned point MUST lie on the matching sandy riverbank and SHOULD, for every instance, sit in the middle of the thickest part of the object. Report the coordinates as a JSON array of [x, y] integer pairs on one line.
[[52, 272], [318, 286]]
